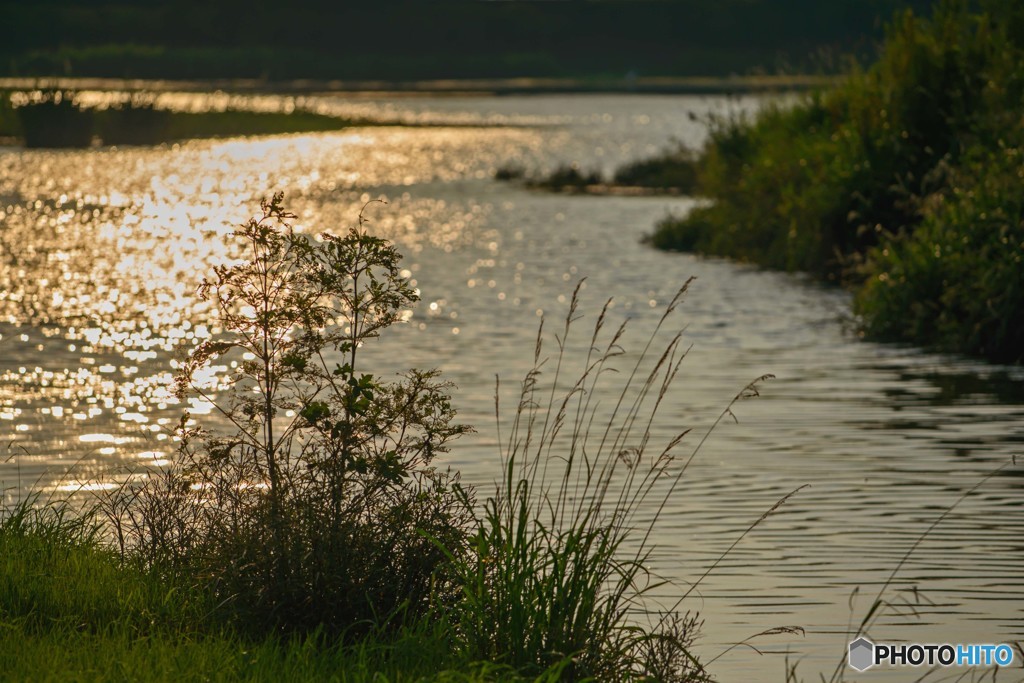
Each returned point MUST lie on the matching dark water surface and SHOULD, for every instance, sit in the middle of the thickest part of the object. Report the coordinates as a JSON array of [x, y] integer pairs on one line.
[[101, 251]]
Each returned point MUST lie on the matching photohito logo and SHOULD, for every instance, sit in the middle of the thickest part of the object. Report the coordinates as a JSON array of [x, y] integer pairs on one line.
[[864, 654]]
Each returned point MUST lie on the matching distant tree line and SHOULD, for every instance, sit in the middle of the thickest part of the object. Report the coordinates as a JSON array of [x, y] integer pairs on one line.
[[442, 39]]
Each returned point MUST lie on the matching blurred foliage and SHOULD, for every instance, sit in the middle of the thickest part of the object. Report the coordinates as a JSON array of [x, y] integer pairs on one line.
[[9, 124], [408, 39], [900, 182], [675, 168], [567, 178], [55, 120], [958, 280], [136, 122]]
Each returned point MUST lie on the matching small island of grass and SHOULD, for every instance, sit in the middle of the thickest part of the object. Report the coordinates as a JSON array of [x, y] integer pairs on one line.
[[673, 172]]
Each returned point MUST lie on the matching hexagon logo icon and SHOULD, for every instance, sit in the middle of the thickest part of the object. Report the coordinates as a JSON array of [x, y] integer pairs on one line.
[[862, 654]]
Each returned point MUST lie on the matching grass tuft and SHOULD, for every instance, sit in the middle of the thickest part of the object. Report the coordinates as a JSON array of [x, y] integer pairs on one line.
[[560, 552]]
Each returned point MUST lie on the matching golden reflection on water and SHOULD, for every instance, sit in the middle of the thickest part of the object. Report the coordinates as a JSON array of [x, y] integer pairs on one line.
[[101, 252]]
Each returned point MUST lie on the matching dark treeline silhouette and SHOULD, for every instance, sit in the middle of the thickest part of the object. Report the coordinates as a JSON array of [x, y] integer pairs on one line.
[[443, 39]]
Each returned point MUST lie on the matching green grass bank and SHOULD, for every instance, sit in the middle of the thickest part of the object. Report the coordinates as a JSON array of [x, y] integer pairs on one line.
[[71, 609], [902, 182]]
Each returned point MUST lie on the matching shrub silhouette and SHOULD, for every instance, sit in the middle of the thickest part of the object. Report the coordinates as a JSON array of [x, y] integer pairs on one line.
[[319, 509]]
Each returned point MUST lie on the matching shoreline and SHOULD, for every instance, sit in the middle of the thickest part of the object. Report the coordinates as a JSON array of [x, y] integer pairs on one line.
[[648, 85]]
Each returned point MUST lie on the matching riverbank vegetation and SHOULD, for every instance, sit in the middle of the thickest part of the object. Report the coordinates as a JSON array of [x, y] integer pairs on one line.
[[72, 609], [675, 169], [312, 534], [56, 119], [902, 183]]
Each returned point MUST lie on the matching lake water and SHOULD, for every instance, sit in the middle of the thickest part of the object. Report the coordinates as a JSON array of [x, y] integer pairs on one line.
[[101, 251]]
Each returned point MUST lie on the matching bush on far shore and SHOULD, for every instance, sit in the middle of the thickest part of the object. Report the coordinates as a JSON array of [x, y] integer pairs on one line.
[[674, 169], [896, 183], [958, 280]]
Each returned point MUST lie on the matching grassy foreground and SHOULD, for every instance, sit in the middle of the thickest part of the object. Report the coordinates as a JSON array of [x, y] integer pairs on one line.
[[70, 610], [903, 182], [324, 544]]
